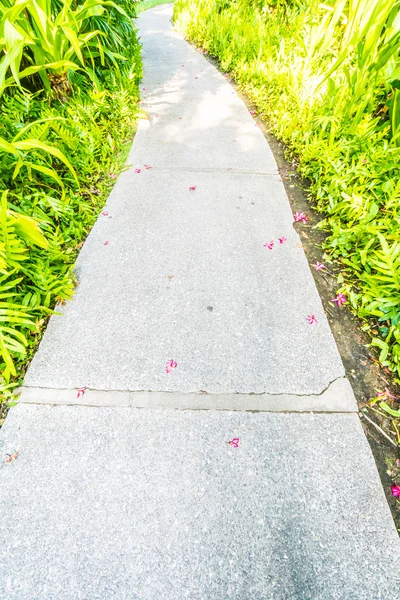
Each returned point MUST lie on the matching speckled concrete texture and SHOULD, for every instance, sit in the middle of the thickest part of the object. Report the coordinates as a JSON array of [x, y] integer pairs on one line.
[[196, 119], [186, 276], [119, 502], [147, 504]]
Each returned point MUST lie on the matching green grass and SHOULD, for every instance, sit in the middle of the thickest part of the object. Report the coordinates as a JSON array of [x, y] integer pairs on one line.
[[146, 4], [64, 136], [327, 79]]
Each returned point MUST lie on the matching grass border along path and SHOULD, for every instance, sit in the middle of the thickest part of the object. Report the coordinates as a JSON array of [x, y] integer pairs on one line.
[[146, 4], [292, 61], [65, 132], [336, 108]]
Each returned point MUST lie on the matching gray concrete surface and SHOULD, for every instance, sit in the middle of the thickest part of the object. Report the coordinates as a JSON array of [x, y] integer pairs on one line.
[[234, 314], [104, 502], [185, 274], [338, 397], [135, 504]]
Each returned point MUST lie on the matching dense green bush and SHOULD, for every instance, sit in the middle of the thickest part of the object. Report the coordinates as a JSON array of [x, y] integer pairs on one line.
[[327, 76], [69, 81]]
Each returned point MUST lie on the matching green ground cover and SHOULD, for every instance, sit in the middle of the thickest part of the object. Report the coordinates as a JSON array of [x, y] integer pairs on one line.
[[327, 79], [141, 6], [69, 76]]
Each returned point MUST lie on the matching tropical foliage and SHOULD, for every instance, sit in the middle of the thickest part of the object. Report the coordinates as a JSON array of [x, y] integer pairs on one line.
[[327, 77], [68, 97]]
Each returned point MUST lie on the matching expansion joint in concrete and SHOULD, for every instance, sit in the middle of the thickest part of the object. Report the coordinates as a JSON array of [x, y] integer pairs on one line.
[[337, 397]]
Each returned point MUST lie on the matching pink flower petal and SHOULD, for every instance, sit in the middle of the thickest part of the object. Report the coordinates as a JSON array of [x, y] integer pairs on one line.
[[192, 188], [147, 167], [385, 395], [282, 240], [234, 442], [396, 491], [81, 391], [144, 89], [112, 175], [137, 171], [319, 266], [300, 216], [252, 112], [10, 457], [235, 140], [171, 364], [389, 395], [269, 245], [311, 319], [106, 243], [104, 213], [340, 299]]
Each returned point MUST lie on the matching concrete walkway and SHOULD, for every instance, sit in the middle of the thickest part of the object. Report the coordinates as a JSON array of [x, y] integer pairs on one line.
[[129, 489]]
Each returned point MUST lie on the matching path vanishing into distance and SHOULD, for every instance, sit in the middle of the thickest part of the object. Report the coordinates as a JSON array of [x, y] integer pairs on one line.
[[188, 332]]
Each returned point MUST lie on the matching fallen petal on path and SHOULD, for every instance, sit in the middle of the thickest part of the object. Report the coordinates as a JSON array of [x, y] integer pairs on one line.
[[171, 364], [234, 442], [10, 457], [311, 319]]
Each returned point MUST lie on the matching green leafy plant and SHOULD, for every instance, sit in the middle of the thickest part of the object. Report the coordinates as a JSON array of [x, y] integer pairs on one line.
[[57, 150], [326, 75], [36, 38], [14, 230]]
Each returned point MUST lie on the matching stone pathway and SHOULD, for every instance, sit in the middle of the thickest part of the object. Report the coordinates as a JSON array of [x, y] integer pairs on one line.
[[129, 489]]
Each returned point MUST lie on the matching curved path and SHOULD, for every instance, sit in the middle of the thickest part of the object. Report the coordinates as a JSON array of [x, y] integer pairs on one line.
[[119, 493]]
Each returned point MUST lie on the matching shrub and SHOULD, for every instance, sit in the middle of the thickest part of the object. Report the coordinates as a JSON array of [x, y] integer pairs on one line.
[[327, 76], [66, 117]]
